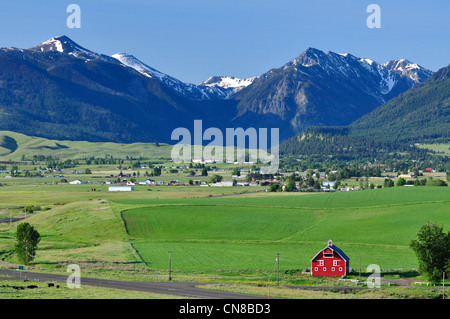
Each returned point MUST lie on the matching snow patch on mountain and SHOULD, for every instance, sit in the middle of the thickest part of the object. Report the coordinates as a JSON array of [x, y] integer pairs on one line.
[[229, 83], [387, 80], [188, 90], [61, 44], [130, 61], [408, 69]]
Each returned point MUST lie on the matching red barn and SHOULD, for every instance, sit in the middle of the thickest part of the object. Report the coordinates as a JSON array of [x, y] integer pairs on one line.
[[330, 261]]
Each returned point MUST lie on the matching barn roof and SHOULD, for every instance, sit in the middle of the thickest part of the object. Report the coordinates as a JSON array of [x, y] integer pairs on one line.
[[336, 249], [340, 252]]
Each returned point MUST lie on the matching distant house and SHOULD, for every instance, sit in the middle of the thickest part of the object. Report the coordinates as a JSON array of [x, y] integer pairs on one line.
[[120, 188], [147, 182], [76, 182], [330, 261], [328, 183], [223, 184], [242, 183]]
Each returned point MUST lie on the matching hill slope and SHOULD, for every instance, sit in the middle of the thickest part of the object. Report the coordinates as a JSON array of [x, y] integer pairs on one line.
[[15, 145], [420, 114], [85, 97]]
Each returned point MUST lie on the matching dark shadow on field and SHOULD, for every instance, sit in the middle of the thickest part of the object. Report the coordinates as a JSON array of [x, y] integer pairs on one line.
[[388, 273], [401, 273]]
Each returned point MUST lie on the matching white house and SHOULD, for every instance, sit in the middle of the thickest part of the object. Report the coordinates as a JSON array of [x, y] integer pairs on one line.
[[222, 184], [76, 182], [327, 183], [242, 184], [120, 188], [147, 182]]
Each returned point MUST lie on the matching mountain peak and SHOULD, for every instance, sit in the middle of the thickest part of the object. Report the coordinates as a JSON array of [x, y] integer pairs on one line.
[[309, 57], [61, 44], [406, 68], [312, 53]]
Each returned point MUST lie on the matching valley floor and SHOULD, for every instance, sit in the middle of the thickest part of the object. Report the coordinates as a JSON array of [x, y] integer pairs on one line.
[[230, 241]]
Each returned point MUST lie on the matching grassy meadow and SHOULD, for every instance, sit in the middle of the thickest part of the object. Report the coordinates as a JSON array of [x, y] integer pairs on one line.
[[211, 235], [15, 145], [223, 234], [440, 148]]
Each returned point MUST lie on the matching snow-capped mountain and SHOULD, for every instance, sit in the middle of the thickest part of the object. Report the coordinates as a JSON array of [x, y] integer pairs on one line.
[[228, 82], [64, 44], [411, 70], [188, 90], [63, 90], [216, 87], [319, 88], [382, 78], [61, 44]]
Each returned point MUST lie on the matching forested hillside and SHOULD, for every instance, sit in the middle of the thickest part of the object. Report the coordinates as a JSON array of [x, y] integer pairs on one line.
[[421, 114]]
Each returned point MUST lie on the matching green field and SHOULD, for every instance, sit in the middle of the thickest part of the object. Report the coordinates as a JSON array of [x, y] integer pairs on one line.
[[246, 233], [440, 148], [128, 235]]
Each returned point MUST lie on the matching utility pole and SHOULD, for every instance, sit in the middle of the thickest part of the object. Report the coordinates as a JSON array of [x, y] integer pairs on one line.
[[170, 265], [443, 285], [278, 266], [359, 268]]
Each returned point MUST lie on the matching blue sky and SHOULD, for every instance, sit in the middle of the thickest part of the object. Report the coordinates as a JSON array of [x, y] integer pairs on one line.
[[195, 39]]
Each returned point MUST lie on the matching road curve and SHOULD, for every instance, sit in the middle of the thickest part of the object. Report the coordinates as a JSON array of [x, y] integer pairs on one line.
[[181, 289]]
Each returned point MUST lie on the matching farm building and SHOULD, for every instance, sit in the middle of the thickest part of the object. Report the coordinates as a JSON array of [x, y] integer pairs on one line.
[[76, 182], [328, 183], [330, 261], [120, 188], [147, 182], [222, 184]]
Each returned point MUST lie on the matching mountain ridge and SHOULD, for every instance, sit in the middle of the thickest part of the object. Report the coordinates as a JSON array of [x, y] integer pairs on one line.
[[59, 89], [318, 88]]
